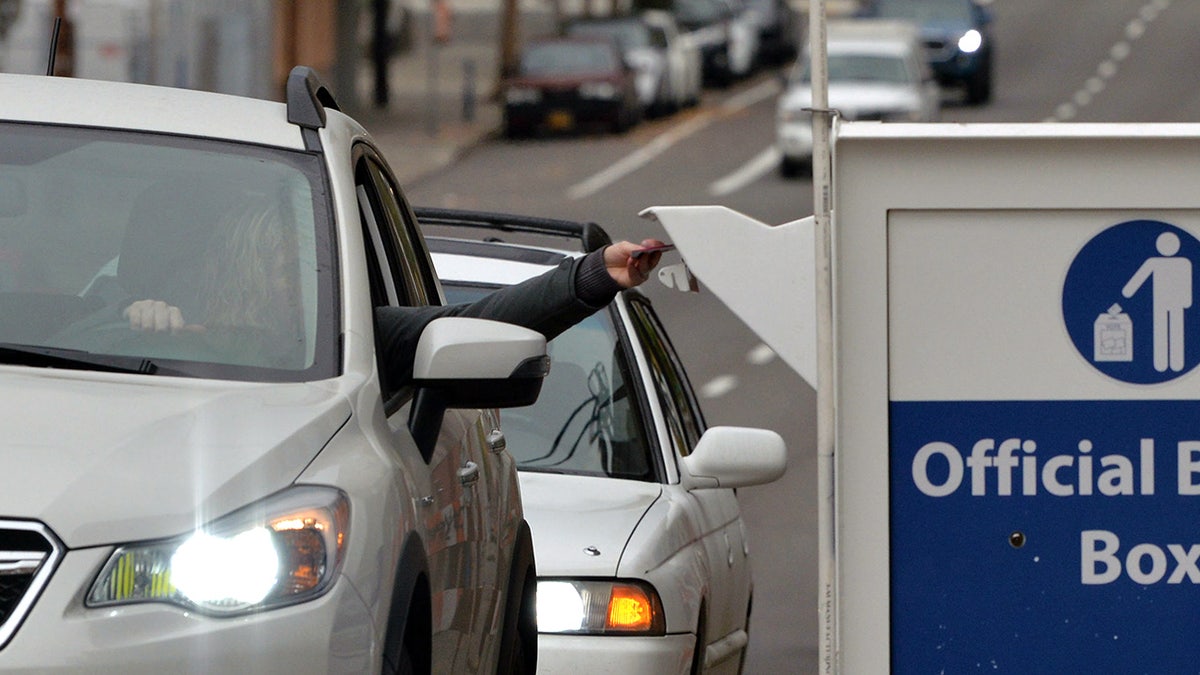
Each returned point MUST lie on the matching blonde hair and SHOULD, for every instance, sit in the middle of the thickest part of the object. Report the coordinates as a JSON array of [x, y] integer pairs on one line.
[[250, 276]]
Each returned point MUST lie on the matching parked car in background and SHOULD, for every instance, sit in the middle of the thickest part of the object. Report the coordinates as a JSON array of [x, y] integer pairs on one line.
[[725, 33], [779, 30], [567, 84], [877, 71], [655, 51], [249, 489], [643, 562], [959, 43]]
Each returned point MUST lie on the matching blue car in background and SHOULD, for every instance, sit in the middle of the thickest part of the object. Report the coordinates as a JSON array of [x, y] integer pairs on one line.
[[957, 36]]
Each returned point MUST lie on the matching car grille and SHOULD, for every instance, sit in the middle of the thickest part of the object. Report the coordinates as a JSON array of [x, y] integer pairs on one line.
[[28, 555]]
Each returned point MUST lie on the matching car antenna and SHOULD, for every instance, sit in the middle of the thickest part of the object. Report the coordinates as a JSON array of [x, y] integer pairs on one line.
[[53, 45]]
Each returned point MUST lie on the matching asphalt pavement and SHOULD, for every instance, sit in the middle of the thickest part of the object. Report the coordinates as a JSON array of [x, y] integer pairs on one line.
[[442, 97]]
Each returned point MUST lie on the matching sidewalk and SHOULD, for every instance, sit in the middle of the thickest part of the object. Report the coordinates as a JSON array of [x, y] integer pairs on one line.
[[441, 97]]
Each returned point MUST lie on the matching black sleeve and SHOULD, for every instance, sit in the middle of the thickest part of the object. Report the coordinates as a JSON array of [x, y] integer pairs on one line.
[[549, 303]]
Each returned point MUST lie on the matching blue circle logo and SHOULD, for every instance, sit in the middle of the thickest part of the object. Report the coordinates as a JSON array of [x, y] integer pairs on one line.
[[1127, 302]]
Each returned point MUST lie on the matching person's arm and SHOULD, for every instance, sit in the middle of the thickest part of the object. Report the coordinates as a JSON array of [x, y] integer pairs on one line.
[[549, 303]]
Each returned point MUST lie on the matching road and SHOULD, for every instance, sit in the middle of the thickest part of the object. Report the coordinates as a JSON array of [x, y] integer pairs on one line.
[[1085, 61]]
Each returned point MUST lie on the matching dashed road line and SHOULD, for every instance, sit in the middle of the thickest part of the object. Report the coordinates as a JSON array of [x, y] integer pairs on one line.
[[1094, 85], [661, 143]]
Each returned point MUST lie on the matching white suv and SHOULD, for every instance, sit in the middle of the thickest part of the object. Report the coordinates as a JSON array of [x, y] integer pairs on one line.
[[241, 491]]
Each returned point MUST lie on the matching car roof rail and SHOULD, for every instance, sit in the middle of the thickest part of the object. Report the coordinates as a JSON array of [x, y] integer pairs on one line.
[[590, 235], [307, 100]]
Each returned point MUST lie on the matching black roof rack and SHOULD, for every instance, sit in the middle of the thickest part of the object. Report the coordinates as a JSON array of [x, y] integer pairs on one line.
[[590, 235], [307, 100]]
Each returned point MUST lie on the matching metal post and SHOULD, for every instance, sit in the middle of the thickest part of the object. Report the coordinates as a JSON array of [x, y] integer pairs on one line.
[[826, 404], [435, 48]]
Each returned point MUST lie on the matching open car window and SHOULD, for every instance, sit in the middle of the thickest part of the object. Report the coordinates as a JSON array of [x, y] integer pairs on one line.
[[588, 418], [231, 239]]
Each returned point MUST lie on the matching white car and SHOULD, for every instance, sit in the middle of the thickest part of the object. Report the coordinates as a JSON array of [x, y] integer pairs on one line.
[[249, 491], [877, 71], [643, 562], [725, 31]]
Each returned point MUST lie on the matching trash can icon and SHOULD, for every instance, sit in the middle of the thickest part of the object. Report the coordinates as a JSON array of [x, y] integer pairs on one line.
[[1113, 336]]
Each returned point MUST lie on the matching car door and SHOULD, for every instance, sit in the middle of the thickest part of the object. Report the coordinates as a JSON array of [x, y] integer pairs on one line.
[[456, 534], [715, 511]]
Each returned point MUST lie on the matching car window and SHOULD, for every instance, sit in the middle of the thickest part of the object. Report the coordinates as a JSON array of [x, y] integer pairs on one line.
[[561, 58], [398, 267], [404, 275], [588, 419], [859, 68], [680, 407], [229, 237], [924, 11]]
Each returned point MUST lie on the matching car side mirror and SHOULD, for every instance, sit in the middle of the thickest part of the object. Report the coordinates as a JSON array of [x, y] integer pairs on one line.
[[472, 363], [730, 457]]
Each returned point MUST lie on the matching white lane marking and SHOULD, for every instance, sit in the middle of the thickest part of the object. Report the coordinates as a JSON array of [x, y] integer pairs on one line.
[[763, 90], [1094, 85], [647, 153], [762, 164], [638, 158], [760, 355], [719, 386]]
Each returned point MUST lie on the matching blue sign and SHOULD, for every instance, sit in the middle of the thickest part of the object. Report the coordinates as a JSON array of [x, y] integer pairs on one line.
[[1060, 536], [1045, 536], [1127, 302]]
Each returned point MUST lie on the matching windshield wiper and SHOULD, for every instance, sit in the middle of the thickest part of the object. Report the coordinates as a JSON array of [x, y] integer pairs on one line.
[[50, 357]]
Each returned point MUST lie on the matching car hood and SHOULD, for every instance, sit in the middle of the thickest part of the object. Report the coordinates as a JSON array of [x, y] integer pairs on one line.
[[105, 459], [581, 524], [853, 99]]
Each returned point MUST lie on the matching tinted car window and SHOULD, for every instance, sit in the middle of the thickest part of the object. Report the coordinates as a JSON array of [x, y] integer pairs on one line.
[[923, 11], [587, 420], [568, 58], [628, 34], [861, 67], [232, 236]]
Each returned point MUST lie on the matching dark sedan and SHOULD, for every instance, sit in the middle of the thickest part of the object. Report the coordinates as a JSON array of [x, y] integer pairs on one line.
[[567, 84]]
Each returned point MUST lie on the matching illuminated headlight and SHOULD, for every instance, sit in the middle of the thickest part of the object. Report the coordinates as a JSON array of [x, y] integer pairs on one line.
[[283, 550], [598, 608], [970, 42], [603, 90], [522, 95]]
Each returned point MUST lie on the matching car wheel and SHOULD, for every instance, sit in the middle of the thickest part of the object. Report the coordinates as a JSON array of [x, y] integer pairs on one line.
[[408, 643], [979, 87], [518, 646]]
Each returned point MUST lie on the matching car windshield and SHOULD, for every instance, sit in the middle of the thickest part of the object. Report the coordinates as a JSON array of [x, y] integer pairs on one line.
[[628, 34], [861, 68], [699, 12], [587, 419], [923, 11], [228, 238], [568, 58]]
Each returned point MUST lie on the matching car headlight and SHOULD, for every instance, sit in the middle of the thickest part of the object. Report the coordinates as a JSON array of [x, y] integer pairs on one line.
[[603, 90], [970, 42], [598, 607], [285, 549], [522, 95]]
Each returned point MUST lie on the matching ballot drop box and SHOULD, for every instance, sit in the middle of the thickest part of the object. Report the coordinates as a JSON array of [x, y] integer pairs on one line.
[[1017, 438]]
